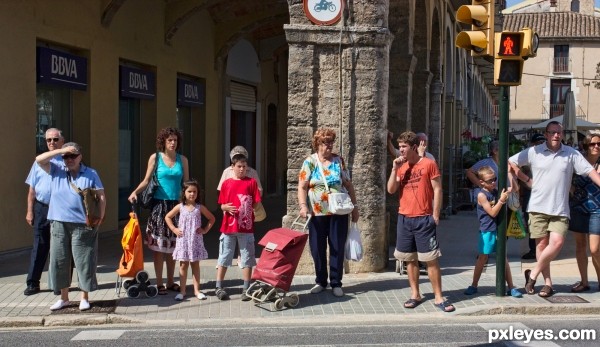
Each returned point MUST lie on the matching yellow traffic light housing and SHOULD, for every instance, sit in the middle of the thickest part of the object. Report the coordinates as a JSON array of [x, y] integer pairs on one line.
[[508, 65], [530, 43], [480, 39]]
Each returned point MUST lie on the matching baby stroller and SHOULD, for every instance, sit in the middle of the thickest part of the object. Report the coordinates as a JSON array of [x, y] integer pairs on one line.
[[132, 263], [277, 264]]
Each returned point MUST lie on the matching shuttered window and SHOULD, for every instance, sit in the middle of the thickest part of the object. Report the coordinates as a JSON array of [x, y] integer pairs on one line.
[[243, 97]]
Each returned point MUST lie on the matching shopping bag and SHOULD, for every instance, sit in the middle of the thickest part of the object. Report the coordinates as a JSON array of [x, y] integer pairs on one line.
[[259, 212], [354, 250], [514, 202], [516, 227]]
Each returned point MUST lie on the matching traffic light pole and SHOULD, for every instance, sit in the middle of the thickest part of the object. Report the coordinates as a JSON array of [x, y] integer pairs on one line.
[[502, 179]]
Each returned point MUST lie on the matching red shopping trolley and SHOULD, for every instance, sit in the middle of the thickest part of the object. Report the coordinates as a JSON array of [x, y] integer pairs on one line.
[[277, 265]]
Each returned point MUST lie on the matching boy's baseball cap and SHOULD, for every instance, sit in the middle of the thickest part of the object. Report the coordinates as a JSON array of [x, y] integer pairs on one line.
[[238, 150], [537, 137]]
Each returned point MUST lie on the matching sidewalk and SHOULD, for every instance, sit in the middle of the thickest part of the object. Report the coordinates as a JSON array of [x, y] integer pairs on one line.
[[368, 295]]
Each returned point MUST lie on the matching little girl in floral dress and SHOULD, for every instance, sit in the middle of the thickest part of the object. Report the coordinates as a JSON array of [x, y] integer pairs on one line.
[[189, 248]]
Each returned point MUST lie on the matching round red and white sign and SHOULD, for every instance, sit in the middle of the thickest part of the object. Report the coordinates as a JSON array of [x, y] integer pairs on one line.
[[323, 12]]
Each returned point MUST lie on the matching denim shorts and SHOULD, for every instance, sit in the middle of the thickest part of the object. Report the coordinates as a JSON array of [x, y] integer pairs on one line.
[[487, 242], [585, 223], [227, 244]]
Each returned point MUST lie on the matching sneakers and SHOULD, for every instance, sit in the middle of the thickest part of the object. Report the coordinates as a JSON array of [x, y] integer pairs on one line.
[[317, 289], [221, 294], [245, 296], [84, 305], [337, 291], [179, 297], [515, 293], [59, 304], [201, 296], [30, 290], [471, 290]]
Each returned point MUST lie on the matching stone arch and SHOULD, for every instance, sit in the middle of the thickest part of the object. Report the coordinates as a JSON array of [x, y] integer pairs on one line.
[[111, 7]]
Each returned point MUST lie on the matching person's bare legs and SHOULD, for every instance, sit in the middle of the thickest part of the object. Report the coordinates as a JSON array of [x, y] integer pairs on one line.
[[412, 270], [547, 249], [195, 276], [479, 265], [170, 269], [508, 275], [594, 242], [183, 271], [247, 273], [158, 268], [581, 243], [435, 277]]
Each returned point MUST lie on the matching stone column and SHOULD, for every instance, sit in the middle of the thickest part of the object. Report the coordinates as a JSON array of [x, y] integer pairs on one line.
[[345, 87], [435, 118]]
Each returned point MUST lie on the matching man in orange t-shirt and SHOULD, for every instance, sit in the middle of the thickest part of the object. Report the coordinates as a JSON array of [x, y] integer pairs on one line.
[[418, 182]]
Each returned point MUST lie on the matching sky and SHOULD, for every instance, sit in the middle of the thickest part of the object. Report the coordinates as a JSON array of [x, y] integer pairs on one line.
[[514, 2]]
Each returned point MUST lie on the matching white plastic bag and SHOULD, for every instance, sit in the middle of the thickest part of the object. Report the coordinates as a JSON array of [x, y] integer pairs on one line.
[[354, 250]]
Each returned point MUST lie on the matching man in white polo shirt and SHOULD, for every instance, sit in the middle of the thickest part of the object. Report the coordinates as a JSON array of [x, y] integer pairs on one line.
[[552, 167]]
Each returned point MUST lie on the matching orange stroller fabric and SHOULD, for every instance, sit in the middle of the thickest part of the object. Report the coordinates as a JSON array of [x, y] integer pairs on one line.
[[132, 260]]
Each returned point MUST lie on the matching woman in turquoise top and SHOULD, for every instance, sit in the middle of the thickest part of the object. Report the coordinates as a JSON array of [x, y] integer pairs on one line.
[[172, 169]]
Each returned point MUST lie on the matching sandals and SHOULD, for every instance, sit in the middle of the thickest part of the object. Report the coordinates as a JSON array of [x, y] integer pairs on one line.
[[578, 288], [174, 287], [162, 290], [445, 306], [529, 283], [412, 303], [546, 292]]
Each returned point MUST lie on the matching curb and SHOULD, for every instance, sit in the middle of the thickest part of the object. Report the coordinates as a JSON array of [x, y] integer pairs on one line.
[[538, 310]]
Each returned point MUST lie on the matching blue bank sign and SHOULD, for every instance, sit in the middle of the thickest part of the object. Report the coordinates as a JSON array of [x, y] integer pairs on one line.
[[137, 83], [60, 68], [190, 93]]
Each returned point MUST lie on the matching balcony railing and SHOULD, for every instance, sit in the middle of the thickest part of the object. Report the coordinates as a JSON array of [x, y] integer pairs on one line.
[[561, 65], [559, 110]]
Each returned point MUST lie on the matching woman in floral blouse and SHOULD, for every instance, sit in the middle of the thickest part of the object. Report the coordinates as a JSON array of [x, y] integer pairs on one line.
[[324, 227]]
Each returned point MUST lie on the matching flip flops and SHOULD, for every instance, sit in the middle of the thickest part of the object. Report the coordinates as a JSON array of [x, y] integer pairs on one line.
[[174, 287], [412, 303], [546, 292], [162, 290]]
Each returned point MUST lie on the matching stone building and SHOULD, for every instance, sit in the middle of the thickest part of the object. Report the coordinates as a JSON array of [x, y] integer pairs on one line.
[[254, 72]]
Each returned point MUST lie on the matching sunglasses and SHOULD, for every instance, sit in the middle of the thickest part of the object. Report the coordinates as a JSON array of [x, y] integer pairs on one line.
[[53, 139], [490, 181], [594, 144], [327, 143], [554, 132], [70, 156]]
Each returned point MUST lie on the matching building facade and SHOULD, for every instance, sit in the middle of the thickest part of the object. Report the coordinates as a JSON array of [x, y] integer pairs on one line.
[[111, 73]]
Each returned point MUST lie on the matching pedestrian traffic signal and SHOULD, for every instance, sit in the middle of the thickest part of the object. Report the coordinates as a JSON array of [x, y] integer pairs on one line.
[[530, 44], [480, 39], [508, 62]]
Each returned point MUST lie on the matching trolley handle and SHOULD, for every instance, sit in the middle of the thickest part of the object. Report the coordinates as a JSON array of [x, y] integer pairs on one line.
[[302, 225]]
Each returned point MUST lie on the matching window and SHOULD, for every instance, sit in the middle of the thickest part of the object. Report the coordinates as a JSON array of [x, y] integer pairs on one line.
[[53, 111], [561, 58], [558, 95]]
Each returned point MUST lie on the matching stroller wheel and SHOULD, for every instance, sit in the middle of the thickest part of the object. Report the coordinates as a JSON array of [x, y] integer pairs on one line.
[[142, 276], [293, 300], [133, 291], [126, 284], [151, 291], [279, 304]]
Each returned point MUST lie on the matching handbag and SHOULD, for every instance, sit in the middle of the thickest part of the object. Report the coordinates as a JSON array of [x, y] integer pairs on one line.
[[354, 249], [146, 197], [516, 227], [339, 203], [91, 203], [259, 212]]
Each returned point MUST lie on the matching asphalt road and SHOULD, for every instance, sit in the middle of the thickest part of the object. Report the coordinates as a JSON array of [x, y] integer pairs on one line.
[[471, 331]]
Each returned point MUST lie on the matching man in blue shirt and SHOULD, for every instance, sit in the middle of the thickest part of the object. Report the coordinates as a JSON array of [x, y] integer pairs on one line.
[[38, 199]]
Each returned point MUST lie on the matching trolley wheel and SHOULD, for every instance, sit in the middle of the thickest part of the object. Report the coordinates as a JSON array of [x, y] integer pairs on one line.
[[151, 291], [126, 284], [133, 291], [142, 276], [293, 300], [279, 304]]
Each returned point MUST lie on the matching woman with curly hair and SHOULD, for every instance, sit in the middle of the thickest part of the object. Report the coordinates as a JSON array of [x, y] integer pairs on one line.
[[324, 227], [171, 170]]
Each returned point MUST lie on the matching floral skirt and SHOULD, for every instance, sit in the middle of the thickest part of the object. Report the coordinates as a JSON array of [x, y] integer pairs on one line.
[[158, 235]]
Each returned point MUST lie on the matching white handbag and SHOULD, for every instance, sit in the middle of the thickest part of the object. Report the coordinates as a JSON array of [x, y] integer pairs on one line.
[[513, 201], [339, 203]]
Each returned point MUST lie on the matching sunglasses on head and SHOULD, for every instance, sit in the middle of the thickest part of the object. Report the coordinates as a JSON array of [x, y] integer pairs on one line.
[[70, 156], [52, 139]]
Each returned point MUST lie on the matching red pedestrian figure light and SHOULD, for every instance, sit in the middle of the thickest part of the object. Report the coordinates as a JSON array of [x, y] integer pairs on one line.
[[508, 46]]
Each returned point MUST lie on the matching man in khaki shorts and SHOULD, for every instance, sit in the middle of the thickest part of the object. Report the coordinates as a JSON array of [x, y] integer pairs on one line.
[[552, 167]]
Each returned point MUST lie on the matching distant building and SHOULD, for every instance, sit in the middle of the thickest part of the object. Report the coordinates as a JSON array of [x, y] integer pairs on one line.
[[567, 59]]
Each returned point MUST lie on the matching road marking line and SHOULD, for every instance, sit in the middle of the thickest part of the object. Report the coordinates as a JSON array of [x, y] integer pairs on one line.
[[98, 335]]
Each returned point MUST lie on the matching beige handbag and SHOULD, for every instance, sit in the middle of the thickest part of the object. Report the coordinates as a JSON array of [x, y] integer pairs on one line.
[[259, 212]]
